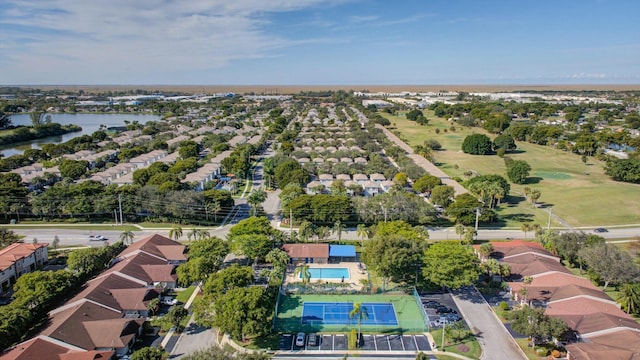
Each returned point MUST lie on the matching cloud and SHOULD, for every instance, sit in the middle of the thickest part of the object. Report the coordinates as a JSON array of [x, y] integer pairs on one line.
[[363, 18], [55, 40], [583, 75]]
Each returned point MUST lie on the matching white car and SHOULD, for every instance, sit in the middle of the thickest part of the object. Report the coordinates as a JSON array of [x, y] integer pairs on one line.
[[169, 301], [300, 339], [97, 238]]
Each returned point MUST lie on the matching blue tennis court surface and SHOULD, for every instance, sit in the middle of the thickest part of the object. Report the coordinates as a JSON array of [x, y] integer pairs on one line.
[[331, 313]]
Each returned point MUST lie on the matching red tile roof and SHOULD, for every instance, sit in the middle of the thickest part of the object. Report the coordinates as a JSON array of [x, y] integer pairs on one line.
[[16, 251], [588, 324], [143, 267], [584, 306], [302, 251], [157, 245], [42, 347]]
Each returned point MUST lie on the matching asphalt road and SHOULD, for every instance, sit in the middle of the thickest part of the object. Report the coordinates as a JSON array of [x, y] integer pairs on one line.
[[495, 340], [80, 236]]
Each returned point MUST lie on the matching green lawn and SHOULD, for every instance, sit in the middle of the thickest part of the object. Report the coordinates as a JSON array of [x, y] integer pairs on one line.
[[470, 342], [184, 295], [569, 186]]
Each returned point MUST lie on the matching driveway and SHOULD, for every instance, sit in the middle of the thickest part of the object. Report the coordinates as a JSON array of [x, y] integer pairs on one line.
[[494, 338]]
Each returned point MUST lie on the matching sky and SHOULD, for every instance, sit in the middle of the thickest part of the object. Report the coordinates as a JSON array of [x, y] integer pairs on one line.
[[319, 42]]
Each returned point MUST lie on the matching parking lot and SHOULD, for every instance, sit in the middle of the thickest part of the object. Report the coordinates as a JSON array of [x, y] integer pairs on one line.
[[440, 308], [338, 342]]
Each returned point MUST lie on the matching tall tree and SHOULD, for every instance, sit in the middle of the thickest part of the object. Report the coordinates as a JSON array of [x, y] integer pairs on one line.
[[175, 232], [361, 232], [360, 313], [610, 263], [303, 272], [255, 199], [338, 228], [534, 323], [450, 264], [629, 298], [127, 237]]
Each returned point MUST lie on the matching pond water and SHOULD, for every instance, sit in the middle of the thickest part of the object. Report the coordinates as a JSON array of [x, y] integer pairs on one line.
[[89, 122]]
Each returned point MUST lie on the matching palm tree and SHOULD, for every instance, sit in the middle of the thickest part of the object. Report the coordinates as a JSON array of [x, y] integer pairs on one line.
[[535, 195], [304, 272], [485, 250], [338, 227], [176, 232], [193, 234], [460, 230], [277, 257], [257, 197], [305, 231], [361, 313], [215, 208], [202, 234], [525, 227], [361, 232], [127, 237], [323, 232], [629, 298], [469, 233]]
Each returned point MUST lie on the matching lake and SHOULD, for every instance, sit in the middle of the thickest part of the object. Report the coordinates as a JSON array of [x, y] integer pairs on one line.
[[88, 121]]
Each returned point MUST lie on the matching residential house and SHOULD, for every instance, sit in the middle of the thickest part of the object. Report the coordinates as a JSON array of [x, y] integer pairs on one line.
[[18, 259], [91, 326], [371, 188], [44, 347]]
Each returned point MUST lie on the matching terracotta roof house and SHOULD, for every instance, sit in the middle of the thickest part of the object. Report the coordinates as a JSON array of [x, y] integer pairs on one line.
[[590, 351], [146, 269], [93, 327], [18, 259], [583, 306], [547, 283], [533, 264], [119, 293], [343, 177], [377, 178], [43, 347], [598, 324], [325, 178], [159, 246], [315, 187], [621, 344], [308, 253]]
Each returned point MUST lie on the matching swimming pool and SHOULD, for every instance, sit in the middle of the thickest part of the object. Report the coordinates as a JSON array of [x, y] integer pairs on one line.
[[328, 273]]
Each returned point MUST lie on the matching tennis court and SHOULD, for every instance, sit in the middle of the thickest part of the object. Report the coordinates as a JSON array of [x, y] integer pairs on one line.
[[332, 313]]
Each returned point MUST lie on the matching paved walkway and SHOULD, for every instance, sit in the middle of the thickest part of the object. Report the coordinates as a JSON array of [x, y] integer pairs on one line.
[[495, 340], [427, 165]]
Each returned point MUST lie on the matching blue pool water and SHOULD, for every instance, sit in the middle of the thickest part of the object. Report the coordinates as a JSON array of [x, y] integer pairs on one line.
[[328, 273]]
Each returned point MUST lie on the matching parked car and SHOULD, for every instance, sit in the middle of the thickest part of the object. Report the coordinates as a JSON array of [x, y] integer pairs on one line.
[[300, 339], [453, 317], [445, 310], [168, 301], [312, 340], [431, 304]]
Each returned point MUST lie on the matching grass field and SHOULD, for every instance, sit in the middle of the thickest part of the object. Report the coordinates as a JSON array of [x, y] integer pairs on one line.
[[407, 311], [580, 194]]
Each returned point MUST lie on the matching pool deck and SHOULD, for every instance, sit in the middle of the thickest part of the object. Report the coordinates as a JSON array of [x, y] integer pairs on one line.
[[356, 274]]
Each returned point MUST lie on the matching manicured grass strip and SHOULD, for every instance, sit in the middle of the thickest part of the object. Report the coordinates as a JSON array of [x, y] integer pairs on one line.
[[580, 194]]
